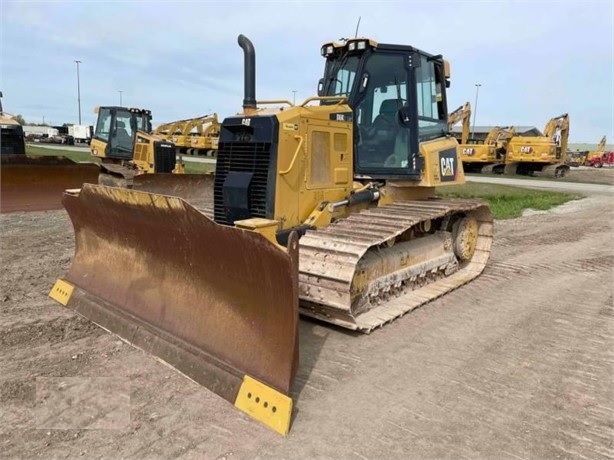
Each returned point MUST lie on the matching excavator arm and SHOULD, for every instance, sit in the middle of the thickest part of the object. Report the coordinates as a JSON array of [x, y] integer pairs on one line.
[[463, 113]]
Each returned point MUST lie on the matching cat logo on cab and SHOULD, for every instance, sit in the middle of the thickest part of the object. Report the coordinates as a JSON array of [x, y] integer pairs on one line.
[[448, 165]]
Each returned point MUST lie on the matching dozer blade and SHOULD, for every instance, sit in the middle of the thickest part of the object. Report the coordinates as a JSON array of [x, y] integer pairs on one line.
[[218, 303], [37, 183], [195, 188]]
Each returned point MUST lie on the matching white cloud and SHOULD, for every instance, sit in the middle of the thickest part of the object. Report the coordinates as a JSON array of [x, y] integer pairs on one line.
[[181, 58]]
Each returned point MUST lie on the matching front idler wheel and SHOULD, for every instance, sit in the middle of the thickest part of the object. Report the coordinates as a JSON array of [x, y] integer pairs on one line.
[[465, 237]]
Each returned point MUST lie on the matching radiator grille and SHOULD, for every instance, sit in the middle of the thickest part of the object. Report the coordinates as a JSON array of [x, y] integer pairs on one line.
[[251, 157], [164, 159]]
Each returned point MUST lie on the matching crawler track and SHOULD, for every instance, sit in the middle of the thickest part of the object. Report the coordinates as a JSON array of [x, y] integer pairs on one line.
[[330, 261]]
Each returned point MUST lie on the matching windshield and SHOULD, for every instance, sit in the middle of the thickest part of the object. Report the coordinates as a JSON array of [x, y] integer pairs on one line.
[[143, 123], [339, 75]]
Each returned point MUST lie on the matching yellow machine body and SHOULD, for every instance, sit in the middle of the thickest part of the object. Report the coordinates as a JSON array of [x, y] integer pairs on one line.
[[126, 146], [193, 136], [546, 155], [327, 208]]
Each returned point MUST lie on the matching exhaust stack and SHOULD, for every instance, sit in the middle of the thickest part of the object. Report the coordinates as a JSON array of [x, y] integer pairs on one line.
[[249, 101]]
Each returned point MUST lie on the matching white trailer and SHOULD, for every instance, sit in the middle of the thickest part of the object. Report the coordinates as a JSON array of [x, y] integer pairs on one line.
[[81, 133]]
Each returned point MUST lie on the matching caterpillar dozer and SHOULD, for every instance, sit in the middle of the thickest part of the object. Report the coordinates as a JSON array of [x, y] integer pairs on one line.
[[127, 148], [327, 208], [540, 155], [34, 183], [193, 136]]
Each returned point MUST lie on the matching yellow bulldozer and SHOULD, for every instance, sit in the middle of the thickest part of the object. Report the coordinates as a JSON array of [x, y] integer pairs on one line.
[[542, 155], [327, 208], [34, 183], [193, 136], [127, 148]]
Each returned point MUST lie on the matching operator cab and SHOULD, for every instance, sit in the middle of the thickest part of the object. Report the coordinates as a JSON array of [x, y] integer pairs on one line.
[[398, 100], [117, 127]]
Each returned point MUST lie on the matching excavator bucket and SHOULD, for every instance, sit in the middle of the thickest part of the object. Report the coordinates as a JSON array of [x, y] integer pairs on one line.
[[218, 303], [37, 183]]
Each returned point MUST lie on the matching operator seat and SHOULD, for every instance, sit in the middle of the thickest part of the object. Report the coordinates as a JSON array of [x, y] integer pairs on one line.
[[123, 138], [383, 132]]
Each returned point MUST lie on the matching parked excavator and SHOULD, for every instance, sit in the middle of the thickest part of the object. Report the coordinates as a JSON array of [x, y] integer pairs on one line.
[[543, 155], [462, 114], [327, 207], [486, 156], [193, 136], [34, 183]]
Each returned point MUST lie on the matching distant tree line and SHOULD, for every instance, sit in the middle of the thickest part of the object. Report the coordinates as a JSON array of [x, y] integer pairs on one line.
[[21, 120]]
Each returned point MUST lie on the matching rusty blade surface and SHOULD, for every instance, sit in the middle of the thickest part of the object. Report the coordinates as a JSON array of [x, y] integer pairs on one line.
[[222, 296], [195, 188], [37, 183]]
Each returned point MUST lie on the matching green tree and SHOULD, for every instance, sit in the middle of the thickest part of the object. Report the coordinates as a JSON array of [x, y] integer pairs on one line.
[[19, 119]]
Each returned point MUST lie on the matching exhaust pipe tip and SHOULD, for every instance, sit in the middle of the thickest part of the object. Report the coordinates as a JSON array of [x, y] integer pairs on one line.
[[249, 98]]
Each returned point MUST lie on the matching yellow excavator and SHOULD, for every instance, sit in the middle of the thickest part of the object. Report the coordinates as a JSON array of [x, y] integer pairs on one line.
[[484, 156], [462, 114], [543, 155], [34, 183], [327, 208], [193, 136], [487, 156]]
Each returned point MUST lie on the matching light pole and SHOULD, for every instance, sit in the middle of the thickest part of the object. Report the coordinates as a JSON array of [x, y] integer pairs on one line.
[[294, 97], [120, 98], [78, 91], [475, 109]]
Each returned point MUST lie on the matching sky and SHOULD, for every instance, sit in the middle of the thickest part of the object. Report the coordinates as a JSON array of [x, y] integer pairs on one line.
[[534, 59]]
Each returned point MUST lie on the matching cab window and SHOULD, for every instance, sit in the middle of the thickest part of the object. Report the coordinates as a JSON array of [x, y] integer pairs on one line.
[[382, 141], [103, 127], [432, 118]]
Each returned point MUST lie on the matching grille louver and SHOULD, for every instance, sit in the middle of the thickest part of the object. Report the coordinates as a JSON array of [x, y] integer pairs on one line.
[[251, 157]]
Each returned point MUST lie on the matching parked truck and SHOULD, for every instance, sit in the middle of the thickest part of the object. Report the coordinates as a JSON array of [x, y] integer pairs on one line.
[[606, 159]]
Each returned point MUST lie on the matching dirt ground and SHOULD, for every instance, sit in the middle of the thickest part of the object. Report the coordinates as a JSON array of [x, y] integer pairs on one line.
[[604, 175], [517, 364]]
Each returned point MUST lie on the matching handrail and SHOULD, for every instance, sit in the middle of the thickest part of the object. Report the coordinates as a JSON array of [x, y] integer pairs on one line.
[[341, 99], [300, 144], [275, 101]]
